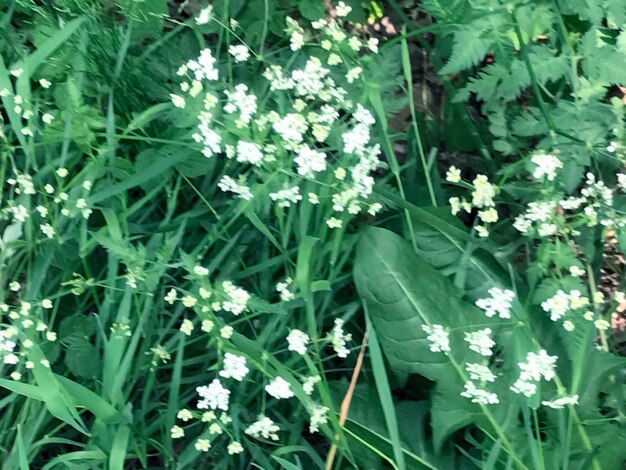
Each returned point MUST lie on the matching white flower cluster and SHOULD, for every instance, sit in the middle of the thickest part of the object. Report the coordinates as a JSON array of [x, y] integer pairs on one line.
[[28, 126], [438, 337], [560, 303], [546, 165], [298, 341], [318, 415], [539, 215], [214, 396], [234, 367], [291, 142], [237, 298], [264, 428], [279, 388], [26, 321], [478, 395], [560, 216], [483, 194], [53, 206], [226, 297], [536, 367], [561, 403], [339, 339], [499, 303], [283, 289], [480, 342]]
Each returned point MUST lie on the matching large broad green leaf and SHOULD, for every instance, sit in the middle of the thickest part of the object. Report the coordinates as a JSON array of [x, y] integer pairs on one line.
[[402, 293], [471, 268]]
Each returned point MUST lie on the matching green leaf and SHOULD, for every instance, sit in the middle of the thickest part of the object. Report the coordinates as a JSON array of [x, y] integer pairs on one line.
[[82, 358], [470, 47], [472, 269], [403, 293], [312, 9], [77, 326]]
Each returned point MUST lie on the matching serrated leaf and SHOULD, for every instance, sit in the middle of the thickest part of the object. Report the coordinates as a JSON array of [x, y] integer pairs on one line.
[[470, 47]]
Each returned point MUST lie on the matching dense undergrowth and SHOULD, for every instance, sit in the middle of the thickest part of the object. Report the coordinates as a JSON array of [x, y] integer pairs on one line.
[[304, 234]]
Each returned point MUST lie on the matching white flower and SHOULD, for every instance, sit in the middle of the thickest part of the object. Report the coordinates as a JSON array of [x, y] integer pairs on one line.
[[438, 338], [310, 161], [202, 445], [226, 332], [353, 74], [189, 301], [291, 128], [45, 83], [298, 341], [481, 231], [478, 395], [489, 216], [239, 52], [264, 427], [171, 296], [576, 271], [562, 402], [356, 139], [342, 9], [47, 118], [234, 366], [557, 305], [453, 175], [339, 339], [538, 366], [601, 324], [546, 165], [499, 303], [186, 327], [184, 415], [248, 152], [481, 342], [227, 184], [200, 271], [318, 417], [484, 192], [239, 100], [480, 372], [207, 326], [47, 230], [334, 222], [234, 448], [178, 100], [372, 44], [287, 197], [309, 384], [204, 67], [215, 396], [237, 298], [283, 289], [279, 388], [177, 432], [524, 387], [205, 15]]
